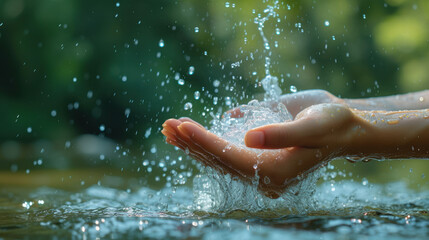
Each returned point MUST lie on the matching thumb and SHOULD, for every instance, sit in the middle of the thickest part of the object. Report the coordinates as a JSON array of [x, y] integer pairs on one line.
[[301, 132]]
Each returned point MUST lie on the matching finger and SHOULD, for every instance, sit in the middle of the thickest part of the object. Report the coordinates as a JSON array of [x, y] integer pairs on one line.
[[171, 122], [232, 156], [186, 144], [186, 119], [301, 132], [172, 142], [167, 133]]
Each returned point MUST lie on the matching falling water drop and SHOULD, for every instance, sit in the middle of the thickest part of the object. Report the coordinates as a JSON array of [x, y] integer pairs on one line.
[[188, 106], [216, 83], [197, 95], [293, 89], [191, 70], [161, 43], [181, 82], [196, 29], [267, 46], [327, 23]]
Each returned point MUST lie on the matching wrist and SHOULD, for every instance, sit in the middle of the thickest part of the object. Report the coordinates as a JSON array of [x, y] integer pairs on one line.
[[395, 134]]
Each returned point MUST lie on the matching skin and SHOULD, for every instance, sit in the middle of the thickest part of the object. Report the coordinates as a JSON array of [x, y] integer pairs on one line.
[[324, 127]]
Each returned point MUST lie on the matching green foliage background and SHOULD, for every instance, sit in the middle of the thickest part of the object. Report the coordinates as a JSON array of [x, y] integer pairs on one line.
[[127, 83]]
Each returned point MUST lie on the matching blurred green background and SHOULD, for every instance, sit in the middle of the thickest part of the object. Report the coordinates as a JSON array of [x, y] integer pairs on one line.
[[87, 84]]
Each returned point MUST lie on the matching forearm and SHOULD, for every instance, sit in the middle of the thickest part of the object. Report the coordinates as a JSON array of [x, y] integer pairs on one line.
[[409, 101], [395, 134]]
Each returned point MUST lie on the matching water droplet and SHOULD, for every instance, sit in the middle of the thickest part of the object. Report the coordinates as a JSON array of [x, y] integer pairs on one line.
[[227, 4], [255, 166], [148, 132], [124, 78], [153, 149], [102, 127], [327, 23], [53, 113], [364, 181], [197, 95], [196, 29], [89, 94], [29, 129], [293, 89], [181, 82], [161, 43], [118, 4], [74, 79], [267, 180], [421, 99], [333, 38], [188, 106], [127, 112], [364, 16], [278, 31], [228, 101], [216, 83], [191, 70], [267, 46]]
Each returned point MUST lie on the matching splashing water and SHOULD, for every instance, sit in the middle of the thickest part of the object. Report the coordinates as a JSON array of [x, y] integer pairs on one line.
[[219, 192], [255, 114], [269, 83]]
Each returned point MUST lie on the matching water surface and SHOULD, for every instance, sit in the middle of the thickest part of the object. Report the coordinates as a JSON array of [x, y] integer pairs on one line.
[[119, 208]]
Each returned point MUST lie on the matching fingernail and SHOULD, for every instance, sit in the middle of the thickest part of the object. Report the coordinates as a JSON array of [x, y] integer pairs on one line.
[[254, 139], [184, 132]]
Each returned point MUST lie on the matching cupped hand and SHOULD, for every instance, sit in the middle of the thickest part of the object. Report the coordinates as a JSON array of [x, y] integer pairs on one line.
[[296, 102], [316, 135]]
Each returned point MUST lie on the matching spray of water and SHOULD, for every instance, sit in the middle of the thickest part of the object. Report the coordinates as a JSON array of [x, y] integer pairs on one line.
[[215, 192]]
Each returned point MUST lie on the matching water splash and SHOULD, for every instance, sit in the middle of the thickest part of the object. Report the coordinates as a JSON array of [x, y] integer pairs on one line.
[[219, 192], [255, 114], [269, 83], [214, 192]]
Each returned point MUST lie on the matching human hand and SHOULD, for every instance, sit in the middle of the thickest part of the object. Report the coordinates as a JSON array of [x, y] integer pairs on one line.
[[316, 135], [296, 102]]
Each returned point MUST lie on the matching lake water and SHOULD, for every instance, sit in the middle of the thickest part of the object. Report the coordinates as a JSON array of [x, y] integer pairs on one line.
[[342, 209]]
